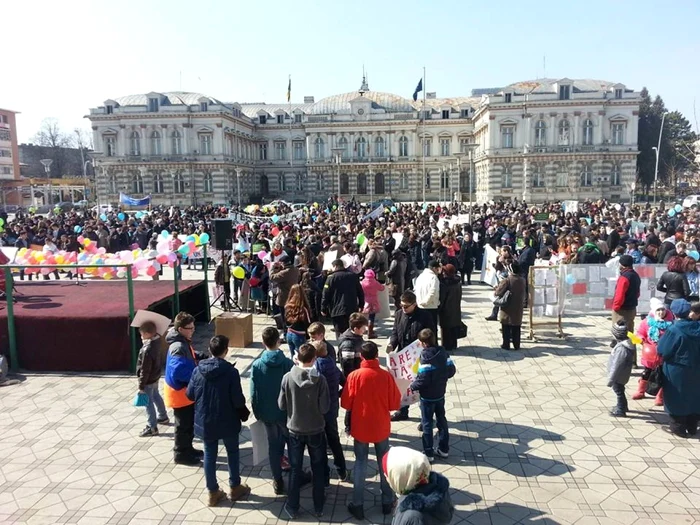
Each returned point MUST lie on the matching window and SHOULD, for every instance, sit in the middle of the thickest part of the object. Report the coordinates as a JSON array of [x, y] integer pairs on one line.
[[298, 150], [464, 145], [588, 132], [299, 182], [319, 148], [464, 113], [135, 143], [362, 184], [137, 183], [445, 114], [112, 184], [280, 150], [427, 180], [297, 118], [152, 105], [344, 183], [6, 171], [4, 119], [445, 147], [445, 178], [208, 183], [205, 144], [262, 151], [110, 145], [158, 183], [564, 133], [204, 106], [177, 143], [508, 98], [403, 146], [618, 93], [179, 183], [618, 134], [564, 92], [379, 184], [427, 147], [343, 144], [562, 178], [155, 143], [507, 178], [361, 148], [319, 182], [263, 119], [5, 153], [280, 119], [403, 181], [615, 175], [229, 145], [587, 176], [109, 109], [540, 133], [379, 150], [283, 182], [5, 135], [507, 136], [538, 177]]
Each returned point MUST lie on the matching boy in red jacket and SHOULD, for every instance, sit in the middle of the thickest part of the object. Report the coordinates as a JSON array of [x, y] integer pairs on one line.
[[370, 394]]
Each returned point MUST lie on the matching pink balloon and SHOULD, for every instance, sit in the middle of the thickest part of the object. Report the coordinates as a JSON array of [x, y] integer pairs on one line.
[[172, 258], [81, 239], [134, 272], [262, 254], [151, 271], [162, 258]]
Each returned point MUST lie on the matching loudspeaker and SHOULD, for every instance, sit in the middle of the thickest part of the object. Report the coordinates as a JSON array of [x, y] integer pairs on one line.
[[223, 234]]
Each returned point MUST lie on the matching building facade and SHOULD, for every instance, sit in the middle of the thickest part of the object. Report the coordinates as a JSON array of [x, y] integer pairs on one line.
[[9, 157], [539, 140]]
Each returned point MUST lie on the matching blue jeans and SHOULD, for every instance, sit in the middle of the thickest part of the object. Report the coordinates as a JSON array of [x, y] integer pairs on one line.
[[295, 341], [316, 443], [277, 437], [154, 402], [360, 472], [211, 452], [428, 409], [333, 439]]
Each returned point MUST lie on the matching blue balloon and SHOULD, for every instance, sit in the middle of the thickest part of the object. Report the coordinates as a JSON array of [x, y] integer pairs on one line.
[[671, 212], [570, 279], [275, 219], [165, 234], [103, 217], [694, 254], [678, 208], [77, 229], [204, 238], [121, 216], [139, 214], [393, 209], [190, 238]]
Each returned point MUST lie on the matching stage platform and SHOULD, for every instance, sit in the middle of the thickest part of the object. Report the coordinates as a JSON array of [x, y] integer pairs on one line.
[[62, 326]]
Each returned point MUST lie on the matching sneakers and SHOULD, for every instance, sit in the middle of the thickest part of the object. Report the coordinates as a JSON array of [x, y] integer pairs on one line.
[[291, 514], [618, 412], [439, 453], [278, 486], [344, 476], [164, 421], [215, 497], [286, 467], [358, 512], [239, 492], [149, 432], [420, 427], [431, 459]]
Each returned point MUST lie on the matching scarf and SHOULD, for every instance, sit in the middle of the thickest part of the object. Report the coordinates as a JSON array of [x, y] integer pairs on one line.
[[656, 326]]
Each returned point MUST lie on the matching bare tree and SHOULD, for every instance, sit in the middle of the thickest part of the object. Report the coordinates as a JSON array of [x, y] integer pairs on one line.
[[54, 143]]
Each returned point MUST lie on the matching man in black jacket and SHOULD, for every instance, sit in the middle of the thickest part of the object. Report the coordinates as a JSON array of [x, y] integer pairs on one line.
[[342, 295]]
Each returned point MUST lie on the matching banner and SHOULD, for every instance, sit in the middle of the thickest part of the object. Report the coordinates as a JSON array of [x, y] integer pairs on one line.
[[129, 201], [403, 365], [488, 272], [374, 214]]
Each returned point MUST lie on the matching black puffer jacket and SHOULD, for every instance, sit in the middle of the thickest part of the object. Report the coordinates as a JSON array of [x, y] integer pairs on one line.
[[428, 504], [675, 285], [342, 294], [407, 326], [450, 309]]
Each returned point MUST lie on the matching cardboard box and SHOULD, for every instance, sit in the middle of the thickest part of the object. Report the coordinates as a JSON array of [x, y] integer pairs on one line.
[[237, 327]]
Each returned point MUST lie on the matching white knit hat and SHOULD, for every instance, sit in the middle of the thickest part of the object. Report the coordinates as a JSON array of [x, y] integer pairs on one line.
[[655, 303], [405, 469]]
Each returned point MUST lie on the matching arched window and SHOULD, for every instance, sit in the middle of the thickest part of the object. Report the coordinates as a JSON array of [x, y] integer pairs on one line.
[[379, 150], [588, 132], [135, 143], [155, 143], [379, 181], [507, 178], [179, 183], [361, 147], [137, 183], [343, 144], [112, 183], [344, 184], [540, 133], [362, 184], [564, 129], [403, 146], [319, 148], [158, 183], [403, 181], [616, 175], [177, 143], [208, 183], [537, 176]]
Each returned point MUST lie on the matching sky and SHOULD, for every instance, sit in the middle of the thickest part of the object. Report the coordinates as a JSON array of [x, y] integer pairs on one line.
[[63, 57]]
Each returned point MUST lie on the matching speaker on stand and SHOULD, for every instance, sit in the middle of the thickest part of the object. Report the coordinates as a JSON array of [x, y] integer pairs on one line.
[[223, 234]]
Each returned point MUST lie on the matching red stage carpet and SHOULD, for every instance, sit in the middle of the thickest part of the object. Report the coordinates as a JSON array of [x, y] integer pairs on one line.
[[65, 327]]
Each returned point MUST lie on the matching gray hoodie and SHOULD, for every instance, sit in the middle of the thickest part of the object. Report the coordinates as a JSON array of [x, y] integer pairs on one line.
[[304, 396]]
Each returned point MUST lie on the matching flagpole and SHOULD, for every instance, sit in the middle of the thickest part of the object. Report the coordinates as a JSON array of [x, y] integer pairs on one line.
[[291, 142], [422, 142]]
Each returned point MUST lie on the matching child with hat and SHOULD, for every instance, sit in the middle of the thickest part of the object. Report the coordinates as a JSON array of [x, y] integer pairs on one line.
[[622, 359]]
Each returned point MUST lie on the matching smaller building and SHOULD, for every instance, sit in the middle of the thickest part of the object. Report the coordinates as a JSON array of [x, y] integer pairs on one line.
[[9, 154]]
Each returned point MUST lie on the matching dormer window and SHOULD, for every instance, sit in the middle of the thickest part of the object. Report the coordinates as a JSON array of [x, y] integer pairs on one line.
[[464, 113], [445, 114], [618, 92], [204, 106], [564, 92], [280, 119], [153, 105], [297, 118], [263, 119], [109, 109], [508, 98]]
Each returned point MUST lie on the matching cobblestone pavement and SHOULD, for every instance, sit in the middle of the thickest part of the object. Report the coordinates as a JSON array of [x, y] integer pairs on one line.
[[531, 442]]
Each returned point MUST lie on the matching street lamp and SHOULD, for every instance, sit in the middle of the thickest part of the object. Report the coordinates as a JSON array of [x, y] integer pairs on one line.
[[633, 187], [238, 186], [47, 168], [338, 157], [657, 149]]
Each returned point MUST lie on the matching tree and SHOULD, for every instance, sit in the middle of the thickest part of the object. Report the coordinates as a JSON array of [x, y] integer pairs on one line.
[[648, 134], [54, 144]]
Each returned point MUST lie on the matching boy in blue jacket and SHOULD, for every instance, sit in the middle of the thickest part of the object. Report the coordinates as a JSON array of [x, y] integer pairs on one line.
[[436, 367]]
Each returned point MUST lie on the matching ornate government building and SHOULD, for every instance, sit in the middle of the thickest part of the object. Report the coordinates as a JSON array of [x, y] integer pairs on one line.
[[538, 140]]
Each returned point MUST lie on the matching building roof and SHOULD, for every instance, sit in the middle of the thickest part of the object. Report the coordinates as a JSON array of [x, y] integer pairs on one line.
[[547, 85], [251, 110], [171, 98], [380, 100]]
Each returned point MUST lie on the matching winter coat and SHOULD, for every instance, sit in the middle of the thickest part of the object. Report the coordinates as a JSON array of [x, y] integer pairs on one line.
[[349, 347], [589, 253], [626, 291], [435, 368], [526, 260], [680, 350], [651, 360], [512, 313], [667, 248], [378, 260], [427, 290], [304, 396], [428, 504], [342, 294], [371, 288], [284, 279], [334, 377], [150, 363], [395, 276], [371, 394], [179, 366], [450, 309], [675, 285], [467, 251], [621, 361], [266, 375], [407, 326], [215, 388], [416, 255]]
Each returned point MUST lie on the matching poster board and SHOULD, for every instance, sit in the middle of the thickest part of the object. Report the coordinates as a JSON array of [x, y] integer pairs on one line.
[[258, 438], [328, 259], [488, 273], [403, 366]]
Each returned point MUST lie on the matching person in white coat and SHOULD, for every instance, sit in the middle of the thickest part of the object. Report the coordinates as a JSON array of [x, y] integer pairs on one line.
[[427, 289]]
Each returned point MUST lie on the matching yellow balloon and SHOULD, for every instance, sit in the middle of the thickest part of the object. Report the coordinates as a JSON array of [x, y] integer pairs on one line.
[[415, 366], [634, 338], [107, 276], [239, 273]]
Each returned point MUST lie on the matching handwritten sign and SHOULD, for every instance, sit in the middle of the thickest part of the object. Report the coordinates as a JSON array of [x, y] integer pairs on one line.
[[403, 365]]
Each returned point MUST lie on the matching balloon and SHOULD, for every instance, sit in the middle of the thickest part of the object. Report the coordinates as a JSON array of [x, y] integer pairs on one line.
[[239, 273], [634, 338], [81, 239], [102, 250], [162, 258], [151, 271], [103, 217], [275, 219], [393, 209], [2, 221], [678, 208], [164, 234], [172, 257], [570, 279], [360, 239], [650, 356], [275, 231], [121, 273], [671, 212], [204, 238], [184, 249], [127, 257], [134, 272], [121, 216], [196, 239], [139, 214], [87, 242], [107, 276], [262, 254], [190, 238], [694, 254]]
